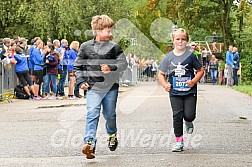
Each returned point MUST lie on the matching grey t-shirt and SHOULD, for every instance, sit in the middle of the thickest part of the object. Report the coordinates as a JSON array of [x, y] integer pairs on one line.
[[180, 69]]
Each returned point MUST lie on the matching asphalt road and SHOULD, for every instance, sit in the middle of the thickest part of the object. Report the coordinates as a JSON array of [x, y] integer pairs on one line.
[[50, 132]]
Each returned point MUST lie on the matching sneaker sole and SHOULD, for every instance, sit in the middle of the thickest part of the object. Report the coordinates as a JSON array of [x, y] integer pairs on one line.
[[177, 150], [88, 150], [181, 149]]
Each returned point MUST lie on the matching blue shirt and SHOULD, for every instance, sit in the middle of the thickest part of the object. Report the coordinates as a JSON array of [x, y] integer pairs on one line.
[[38, 59], [31, 61], [60, 62], [65, 56], [22, 64], [71, 59], [229, 58]]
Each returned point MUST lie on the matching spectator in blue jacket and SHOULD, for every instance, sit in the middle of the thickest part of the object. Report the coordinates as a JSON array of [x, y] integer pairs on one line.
[[31, 61], [64, 56], [74, 47], [22, 71], [38, 56], [230, 64]]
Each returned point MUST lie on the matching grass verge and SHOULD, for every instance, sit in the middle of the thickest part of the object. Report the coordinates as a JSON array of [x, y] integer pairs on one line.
[[244, 89]]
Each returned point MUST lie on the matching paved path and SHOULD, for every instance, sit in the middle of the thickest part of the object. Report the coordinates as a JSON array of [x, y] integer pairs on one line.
[[49, 133]]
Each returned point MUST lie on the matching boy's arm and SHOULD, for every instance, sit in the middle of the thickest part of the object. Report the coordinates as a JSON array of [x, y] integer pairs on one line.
[[120, 64]]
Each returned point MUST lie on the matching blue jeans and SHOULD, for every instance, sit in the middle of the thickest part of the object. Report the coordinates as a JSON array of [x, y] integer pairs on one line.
[[235, 77], [214, 75], [62, 80], [52, 77], [95, 99], [45, 87]]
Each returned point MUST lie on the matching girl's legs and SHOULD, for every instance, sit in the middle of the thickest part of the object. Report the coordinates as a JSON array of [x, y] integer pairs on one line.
[[183, 107], [177, 104]]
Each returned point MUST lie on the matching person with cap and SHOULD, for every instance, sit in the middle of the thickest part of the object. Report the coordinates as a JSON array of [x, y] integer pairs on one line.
[[195, 49]]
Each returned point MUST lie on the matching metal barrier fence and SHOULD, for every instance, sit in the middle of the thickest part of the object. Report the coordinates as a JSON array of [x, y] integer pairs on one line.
[[8, 81], [135, 74]]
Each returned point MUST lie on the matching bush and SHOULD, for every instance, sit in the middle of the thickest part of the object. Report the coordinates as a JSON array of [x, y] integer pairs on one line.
[[246, 62]]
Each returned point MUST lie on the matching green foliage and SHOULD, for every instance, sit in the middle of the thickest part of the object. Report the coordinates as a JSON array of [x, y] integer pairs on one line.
[[57, 19], [244, 89], [246, 63]]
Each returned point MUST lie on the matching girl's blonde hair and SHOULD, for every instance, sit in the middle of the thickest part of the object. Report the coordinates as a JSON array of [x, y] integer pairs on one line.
[[180, 30], [38, 42], [99, 22], [75, 45]]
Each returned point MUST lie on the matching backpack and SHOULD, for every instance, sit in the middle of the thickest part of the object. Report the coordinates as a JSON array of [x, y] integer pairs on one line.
[[20, 93]]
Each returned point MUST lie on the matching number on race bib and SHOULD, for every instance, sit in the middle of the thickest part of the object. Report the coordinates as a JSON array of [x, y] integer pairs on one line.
[[183, 84]]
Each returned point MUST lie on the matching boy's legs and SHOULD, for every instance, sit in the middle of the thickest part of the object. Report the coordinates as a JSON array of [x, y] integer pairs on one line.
[[109, 113], [93, 103], [109, 110]]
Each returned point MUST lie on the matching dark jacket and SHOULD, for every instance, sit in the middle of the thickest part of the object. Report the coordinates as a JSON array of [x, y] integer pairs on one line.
[[52, 66], [87, 65], [237, 59]]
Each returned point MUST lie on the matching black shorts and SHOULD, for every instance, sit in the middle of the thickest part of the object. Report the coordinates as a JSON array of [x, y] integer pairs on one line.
[[24, 78], [31, 71], [39, 76]]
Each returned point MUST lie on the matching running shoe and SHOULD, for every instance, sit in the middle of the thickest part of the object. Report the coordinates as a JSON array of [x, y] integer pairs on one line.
[[112, 142], [178, 147], [89, 150], [189, 127]]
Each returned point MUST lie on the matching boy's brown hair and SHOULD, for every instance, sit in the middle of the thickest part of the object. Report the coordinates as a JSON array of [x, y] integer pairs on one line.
[[99, 22]]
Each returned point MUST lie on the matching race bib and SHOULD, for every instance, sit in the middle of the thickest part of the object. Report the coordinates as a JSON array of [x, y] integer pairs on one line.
[[179, 83]]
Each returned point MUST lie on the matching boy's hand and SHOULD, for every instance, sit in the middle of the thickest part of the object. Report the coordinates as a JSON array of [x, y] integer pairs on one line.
[[105, 69], [84, 86]]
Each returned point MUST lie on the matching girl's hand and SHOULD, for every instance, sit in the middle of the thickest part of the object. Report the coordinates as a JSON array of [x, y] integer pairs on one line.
[[190, 83], [167, 87]]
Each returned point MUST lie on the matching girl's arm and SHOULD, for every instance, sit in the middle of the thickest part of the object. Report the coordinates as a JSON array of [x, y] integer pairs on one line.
[[199, 74]]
